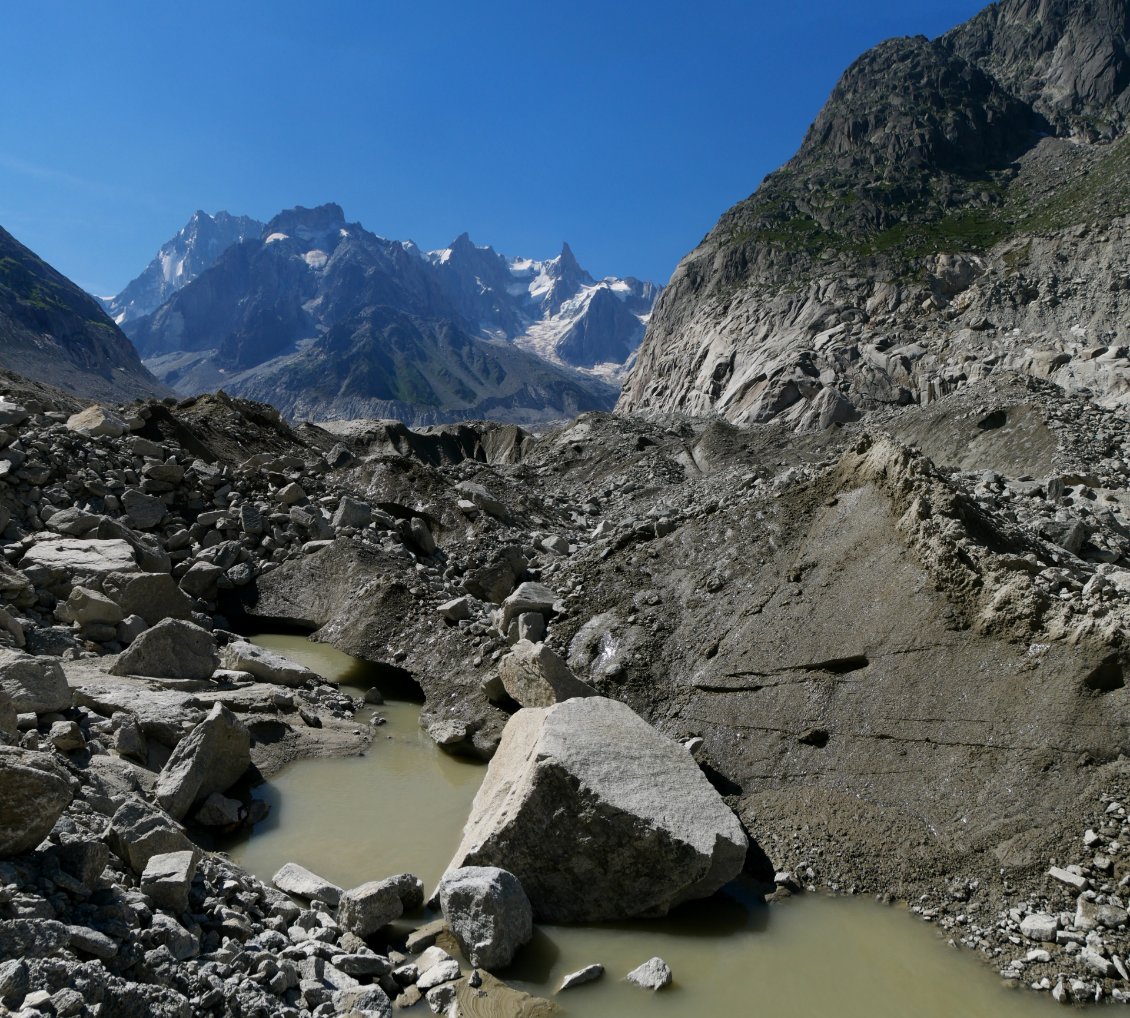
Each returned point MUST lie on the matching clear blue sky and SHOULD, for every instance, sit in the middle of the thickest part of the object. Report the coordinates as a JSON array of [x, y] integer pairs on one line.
[[626, 129]]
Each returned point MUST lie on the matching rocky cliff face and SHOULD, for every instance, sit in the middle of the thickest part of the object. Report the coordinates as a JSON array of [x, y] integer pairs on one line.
[[52, 331], [933, 228], [195, 248]]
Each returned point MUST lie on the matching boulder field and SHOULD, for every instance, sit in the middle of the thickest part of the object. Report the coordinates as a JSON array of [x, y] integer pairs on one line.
[[885, 657]]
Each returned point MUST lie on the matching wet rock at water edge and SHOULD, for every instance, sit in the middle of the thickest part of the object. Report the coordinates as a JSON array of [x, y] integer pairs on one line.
[[211, 758], [172, 649], [588, 974], [653, 974], [488, 912], [599, 816], [302, 883], [266, 665]]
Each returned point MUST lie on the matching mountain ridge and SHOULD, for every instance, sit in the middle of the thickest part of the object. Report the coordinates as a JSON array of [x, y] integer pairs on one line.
[[266, 317], [908, 219]]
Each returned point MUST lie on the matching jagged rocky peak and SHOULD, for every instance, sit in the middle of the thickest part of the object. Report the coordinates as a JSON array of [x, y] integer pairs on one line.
[[302, 223], [909, 105], [1068, 58], [924, 235], [180, 260]]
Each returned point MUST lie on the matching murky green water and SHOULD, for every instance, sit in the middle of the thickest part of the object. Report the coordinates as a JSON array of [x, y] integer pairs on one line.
[[402, 807]]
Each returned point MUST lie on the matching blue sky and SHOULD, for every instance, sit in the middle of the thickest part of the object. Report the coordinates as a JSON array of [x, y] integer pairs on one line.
[[626, 129]]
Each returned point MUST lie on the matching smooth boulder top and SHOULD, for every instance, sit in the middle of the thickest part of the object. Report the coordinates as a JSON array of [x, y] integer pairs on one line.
[[81, 557], [33, 684], [241, 656], [600, 816], [172, 649]]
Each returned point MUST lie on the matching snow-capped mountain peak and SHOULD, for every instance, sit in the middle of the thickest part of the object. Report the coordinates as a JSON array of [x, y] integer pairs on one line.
[[194, 249]]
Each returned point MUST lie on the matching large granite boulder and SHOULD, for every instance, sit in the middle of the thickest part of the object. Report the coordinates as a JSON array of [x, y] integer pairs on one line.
[[488, 913], [172, 649], [211, 758], [33, 684], [600, 816], [34, 791], [536, 676]]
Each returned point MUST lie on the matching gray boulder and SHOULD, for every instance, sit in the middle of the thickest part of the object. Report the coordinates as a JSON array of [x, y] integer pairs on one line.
[[653, 974], [89, 608], [97, 422], [529, 597], [167, 879], [201, 579], [537, 676], [34, 791], [599, 816], [70, 559], [241, 656], [145, 511], [488, 913], [351, 513], [172, 649], [33, 684], [364, 910], [153, 597], [302, 883], [138, 831], [211, 758]]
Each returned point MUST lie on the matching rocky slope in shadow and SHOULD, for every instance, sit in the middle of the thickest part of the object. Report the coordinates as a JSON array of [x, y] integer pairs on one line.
[[916, 241], [52, 331]]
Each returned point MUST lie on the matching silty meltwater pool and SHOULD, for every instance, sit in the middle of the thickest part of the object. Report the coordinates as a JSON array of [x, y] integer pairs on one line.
[[402, 806]]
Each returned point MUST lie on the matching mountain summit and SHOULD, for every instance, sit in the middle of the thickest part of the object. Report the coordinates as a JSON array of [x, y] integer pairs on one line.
[[195, 248], [324, 318], [927, 233]]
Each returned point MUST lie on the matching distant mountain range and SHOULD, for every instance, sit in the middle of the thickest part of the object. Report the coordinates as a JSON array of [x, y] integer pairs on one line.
[[52, 331], [324, 319]]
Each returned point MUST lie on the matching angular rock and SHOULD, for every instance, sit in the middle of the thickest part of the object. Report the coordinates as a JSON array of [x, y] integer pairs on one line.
[[138, 831], [201, 579], [172, 649], [653, 974], [364, 910], [488, 912], [536, 676], [167, 879], [1040, 927], [220, 811], [301, 883], [351, 513], [599, 816], [211, 758], [529, 597], [34, 791], [589, 974], [33, 685], [457, 610], [241, 656], [90, 607], [97, 422], [153, 597], [146, 511]]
